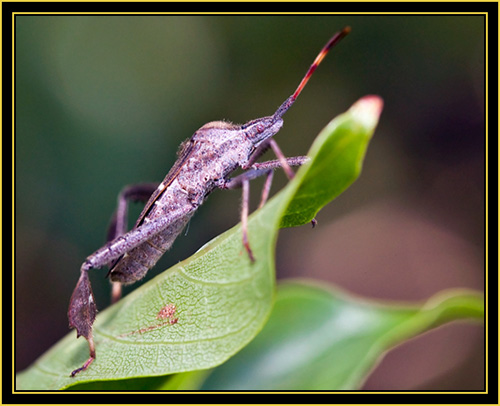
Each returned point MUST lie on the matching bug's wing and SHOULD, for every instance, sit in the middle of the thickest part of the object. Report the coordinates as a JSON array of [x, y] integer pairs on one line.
[[184, 154]]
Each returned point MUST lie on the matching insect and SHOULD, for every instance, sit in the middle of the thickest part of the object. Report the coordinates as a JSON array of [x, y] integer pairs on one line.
[[204, 164]]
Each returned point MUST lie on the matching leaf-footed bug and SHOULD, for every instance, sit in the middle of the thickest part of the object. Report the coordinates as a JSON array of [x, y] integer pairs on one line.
[[204, 163]]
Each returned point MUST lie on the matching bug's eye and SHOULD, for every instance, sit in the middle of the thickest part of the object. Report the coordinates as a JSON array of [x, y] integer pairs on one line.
[[260, 128]]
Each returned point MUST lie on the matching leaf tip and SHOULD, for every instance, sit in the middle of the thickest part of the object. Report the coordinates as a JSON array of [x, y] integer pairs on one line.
[[367, 110]]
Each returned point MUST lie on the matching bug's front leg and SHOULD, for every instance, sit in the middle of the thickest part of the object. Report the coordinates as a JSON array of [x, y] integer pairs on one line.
[[140, 192], [243, 181], [284, 162], [82, 308]]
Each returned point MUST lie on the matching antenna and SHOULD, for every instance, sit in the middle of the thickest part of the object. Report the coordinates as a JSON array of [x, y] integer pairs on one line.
[[333, 41]]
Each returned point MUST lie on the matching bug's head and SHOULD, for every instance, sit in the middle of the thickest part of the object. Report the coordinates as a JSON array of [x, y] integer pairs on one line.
[[261, 129]]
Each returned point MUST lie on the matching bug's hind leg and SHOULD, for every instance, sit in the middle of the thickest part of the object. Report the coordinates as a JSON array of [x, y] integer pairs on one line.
[[82, 308], [140, 192]]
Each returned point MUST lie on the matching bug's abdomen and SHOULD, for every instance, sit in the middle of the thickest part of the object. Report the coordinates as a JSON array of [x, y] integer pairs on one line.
[[134, 265]]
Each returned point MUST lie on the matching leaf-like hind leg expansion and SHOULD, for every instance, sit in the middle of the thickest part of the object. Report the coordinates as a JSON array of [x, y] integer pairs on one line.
[[140, 192], [82, 308], [81, 315]]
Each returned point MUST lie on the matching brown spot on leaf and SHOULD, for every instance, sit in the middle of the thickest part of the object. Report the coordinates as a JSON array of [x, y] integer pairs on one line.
[[167, 311]]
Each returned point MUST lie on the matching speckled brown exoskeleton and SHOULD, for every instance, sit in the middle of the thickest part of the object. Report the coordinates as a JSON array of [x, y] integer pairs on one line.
[[204, 163]]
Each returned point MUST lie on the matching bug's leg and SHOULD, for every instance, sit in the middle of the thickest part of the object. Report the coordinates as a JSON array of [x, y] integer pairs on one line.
[[295, 161], [243, 181], [266, 189], [140, 192], [282, 159], [269, 165], [82, 309], [244, 216], [121, 245], [263, 147], [81, 314]]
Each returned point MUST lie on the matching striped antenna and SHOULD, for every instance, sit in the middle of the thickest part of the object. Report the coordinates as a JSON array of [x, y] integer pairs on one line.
[[333, 41]]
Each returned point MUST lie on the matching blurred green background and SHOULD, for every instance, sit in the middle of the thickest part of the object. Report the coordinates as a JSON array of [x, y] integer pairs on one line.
[[104, 101]]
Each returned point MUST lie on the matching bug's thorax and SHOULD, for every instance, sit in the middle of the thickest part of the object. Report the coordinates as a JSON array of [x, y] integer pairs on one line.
[[218, 148]]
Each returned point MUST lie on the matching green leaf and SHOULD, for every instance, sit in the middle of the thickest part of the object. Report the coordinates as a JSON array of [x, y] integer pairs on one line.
[[222, 299], [318, 338]]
